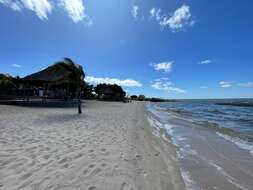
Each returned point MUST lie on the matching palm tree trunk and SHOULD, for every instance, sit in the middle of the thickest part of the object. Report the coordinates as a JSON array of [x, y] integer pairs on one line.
[[79, 102]]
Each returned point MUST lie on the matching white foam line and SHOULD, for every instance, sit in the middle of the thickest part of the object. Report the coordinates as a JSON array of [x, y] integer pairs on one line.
[[156, 129], [169, 129], [238, 142], [228, 177], [189, 183]]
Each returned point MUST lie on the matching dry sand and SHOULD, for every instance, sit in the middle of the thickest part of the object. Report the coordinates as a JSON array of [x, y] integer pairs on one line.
[[110, 146]]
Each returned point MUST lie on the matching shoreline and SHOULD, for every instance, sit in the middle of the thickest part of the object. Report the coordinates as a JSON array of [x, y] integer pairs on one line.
[[209, 159], [109, 146]]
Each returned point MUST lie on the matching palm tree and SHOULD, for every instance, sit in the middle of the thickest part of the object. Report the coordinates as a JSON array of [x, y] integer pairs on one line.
[[77, 76]]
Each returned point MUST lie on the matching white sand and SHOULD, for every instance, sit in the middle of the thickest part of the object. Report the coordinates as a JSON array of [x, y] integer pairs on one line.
[[110, 146]]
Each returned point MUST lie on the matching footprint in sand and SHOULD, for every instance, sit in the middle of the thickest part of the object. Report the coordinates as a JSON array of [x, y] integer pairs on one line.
[[125, 186], [46, 157], [26, 176], [95, 171], [63, 160], [66, 165], [104, 152], [85, 171], [92, 188], [93, 156], [92, 165], [78, 156]]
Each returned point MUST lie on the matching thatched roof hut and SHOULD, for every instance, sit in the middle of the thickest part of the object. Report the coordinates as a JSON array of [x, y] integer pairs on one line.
[[60, 72]]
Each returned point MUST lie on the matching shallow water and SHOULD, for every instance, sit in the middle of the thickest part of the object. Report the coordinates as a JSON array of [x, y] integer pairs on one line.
[[209, 113], [214, 142]]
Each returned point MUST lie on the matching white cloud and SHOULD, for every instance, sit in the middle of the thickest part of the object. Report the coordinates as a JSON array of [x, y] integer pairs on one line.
[[180, 18], [134, 11], [152, 12], [107, 80], [16, 65], [246, 84], [41, 7], [204, 62], [165, 66], [165, 85], [225, 84], [75, 9], [14, 5], [155, 13]]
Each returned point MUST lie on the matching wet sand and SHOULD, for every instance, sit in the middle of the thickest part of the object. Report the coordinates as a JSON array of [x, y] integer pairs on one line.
[[208, 160], [110, 146]]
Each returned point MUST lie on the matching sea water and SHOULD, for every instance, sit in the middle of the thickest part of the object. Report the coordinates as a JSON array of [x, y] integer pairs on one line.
[[214, 139]]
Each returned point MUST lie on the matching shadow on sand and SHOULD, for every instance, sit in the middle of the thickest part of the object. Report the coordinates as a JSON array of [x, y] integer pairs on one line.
[[41, 104], [59, 118]]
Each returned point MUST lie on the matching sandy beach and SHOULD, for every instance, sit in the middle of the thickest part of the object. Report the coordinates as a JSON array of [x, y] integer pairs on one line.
[[110, 146]]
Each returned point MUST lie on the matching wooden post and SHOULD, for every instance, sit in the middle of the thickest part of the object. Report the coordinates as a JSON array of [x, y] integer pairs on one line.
[[79, 106], [79, 100]]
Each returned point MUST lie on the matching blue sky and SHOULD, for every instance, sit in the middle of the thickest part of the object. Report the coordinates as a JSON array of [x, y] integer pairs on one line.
[[172, 49]]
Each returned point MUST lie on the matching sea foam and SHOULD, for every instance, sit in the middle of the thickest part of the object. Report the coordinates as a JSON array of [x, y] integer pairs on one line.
[[238, 142]]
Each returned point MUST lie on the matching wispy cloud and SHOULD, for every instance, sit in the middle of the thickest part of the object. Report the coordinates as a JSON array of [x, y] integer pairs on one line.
[[43, 8], [205, 62], [75, 9], [225, 84], [107, 80], [246, 84], [14, 5], [180, 19], [164, 66], [176, 21], [203, 87], [134, 11], [165, 85], [155, 13], [16, 65]]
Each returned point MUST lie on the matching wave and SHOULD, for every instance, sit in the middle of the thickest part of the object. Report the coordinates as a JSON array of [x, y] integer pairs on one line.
[[238, 142], [227, 176], [236, 104], [179, 133], [189, 183], [179, 111], [157, 126], [215, 126], [216, 111]]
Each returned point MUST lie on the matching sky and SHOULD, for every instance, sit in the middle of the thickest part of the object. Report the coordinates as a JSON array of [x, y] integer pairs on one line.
[[161, 48]]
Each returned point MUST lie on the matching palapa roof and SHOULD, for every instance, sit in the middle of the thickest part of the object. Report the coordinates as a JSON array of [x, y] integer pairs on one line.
[[65, 70]]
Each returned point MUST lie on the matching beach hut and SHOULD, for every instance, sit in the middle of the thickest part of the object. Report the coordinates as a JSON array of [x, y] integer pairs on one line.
[[64, 77]]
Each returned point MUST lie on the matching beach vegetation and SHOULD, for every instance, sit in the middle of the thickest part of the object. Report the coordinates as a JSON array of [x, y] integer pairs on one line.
[[110, 92], [141, 97]]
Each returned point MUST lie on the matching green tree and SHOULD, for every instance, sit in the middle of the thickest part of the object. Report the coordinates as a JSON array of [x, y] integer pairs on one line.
[[76, 77], [141, 97]]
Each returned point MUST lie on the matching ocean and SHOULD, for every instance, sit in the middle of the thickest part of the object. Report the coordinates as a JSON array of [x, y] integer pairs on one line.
[[213, 138]]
